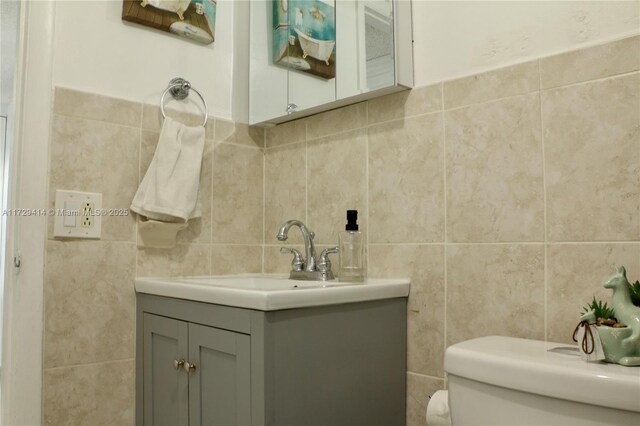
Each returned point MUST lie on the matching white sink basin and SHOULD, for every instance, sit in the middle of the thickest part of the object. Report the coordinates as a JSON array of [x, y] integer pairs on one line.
[[270, 293]]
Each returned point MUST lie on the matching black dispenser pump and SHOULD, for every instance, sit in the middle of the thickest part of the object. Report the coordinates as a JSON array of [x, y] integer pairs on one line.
[[352, 220]]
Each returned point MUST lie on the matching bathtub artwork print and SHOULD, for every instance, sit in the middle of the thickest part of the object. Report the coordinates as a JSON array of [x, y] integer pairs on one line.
[[304, 36], [192, 19]]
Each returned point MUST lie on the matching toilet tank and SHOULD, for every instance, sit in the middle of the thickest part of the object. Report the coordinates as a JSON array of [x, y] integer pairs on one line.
[[509, 381]]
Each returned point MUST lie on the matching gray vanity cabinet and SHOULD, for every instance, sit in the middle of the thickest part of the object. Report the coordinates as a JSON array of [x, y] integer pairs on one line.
[[166, 387], [214, 391], [220, 386], [322, 365]]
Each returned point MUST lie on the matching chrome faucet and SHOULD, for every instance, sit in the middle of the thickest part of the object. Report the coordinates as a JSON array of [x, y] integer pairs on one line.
[[307, 267], [309, 249]]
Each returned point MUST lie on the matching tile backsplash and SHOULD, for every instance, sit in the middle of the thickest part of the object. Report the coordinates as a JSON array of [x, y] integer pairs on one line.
[[507, 197]]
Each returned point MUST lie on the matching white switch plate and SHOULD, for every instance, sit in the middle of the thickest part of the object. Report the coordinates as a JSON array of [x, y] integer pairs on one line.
[[77, 215]]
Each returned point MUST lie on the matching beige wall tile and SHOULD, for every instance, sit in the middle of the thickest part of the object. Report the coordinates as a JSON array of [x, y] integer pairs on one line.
[[336, 182], [182, 260], [239, 133], [592, 160], [593, 62], [96, 157], [237, 194], [338, 120], [279, 263], [420, 100], [495, 290], [406, 180], [89, 302], [97, 107], [576, 273], [500, 83], [152, 118], [231, 259], [424, 265], [91, 394], [494, 171], [290, 132], [285, 190], [419, 389]]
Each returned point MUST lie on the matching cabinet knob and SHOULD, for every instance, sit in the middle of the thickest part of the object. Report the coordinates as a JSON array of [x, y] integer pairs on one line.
[[189, 368], [178, 363]]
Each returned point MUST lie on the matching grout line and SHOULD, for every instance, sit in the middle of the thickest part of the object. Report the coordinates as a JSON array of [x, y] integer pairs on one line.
[[241, 145], [446, 237], [490, 101], [545, 302], [306, 173], [428, 376], [341, 132], [441, 243], [264, 197], [404, 117], [592, 80], [366, 196], [551, 243], [135, 227], [502, 243], [93, 120], [87, 364], [213, 161], [288, 144], [256, 244]]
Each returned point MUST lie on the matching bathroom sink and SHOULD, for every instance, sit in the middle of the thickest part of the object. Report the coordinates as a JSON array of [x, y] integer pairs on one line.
[[270, 293]]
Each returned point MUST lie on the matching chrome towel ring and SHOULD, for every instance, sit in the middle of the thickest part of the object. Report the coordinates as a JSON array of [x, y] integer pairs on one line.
[[179, 89]]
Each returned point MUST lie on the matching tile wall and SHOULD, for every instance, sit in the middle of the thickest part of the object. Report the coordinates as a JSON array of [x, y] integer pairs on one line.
[[101, 144], [507, 197]]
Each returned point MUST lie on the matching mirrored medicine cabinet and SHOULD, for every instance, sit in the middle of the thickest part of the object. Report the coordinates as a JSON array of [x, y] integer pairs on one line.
[[308, 56]]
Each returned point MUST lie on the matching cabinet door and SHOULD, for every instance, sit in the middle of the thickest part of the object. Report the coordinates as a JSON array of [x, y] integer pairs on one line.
[[219, 386], [165, 388]]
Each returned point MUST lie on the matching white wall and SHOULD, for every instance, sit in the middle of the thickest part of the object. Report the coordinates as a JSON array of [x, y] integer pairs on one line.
[[95, 51], [458, 38]]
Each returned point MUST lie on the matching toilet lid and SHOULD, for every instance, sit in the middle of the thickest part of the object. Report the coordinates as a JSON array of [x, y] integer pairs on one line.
[[545, 368]]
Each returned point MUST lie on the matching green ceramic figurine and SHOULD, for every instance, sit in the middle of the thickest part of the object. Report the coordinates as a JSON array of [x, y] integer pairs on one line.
[[621, 345]]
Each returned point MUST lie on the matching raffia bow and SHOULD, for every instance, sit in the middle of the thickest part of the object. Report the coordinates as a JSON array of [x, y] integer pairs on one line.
[[588, 334]]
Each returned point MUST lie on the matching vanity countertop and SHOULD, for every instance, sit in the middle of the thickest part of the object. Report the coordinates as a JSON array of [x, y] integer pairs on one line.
[[270, 292]]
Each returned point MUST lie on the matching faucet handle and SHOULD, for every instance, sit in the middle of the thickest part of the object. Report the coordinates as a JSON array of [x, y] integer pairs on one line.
[[297, 264], [324, 264]]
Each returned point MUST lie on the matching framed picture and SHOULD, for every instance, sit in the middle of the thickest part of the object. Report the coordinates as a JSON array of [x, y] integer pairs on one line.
[[193, 19], [304, 36]]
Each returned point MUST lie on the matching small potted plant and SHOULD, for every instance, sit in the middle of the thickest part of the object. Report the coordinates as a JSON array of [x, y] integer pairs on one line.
[[618, 326]]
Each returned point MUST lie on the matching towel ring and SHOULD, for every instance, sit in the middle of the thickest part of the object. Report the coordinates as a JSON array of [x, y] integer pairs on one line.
[[179, 89]]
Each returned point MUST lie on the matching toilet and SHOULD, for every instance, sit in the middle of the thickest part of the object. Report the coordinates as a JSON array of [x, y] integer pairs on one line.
[[509, 381]]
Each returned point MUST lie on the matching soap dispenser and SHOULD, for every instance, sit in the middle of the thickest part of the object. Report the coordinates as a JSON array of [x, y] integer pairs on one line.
[[351, 252]]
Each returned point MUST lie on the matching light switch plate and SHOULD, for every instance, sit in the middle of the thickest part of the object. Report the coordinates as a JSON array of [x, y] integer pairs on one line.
[[77, 214]]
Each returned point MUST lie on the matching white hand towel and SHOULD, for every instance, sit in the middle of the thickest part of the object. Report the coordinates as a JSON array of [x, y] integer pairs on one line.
[[169, 189]]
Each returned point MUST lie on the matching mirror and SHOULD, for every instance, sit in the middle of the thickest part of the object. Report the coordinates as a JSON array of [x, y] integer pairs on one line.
[[308, 56]]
